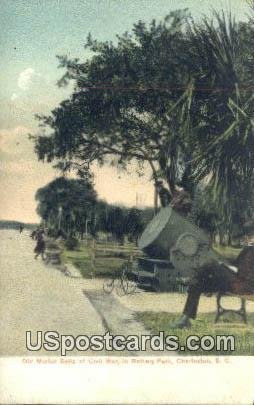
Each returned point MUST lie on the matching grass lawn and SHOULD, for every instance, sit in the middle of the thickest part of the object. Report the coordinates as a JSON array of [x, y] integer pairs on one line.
[[204, 325]]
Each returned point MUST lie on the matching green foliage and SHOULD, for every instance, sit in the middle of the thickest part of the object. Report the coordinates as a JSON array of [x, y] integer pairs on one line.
[[223, 142], [71, 243], [130, 102], [134, 225], [66, 204], [204, 213], [115, 223], [119, 221], [70, 208]]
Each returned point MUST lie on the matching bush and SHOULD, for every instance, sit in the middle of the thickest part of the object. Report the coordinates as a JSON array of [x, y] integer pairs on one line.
[[51, 244], [56, 233], [71, 243]]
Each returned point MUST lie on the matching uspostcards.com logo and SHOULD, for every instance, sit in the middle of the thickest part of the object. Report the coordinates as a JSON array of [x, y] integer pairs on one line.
[[53, 341]]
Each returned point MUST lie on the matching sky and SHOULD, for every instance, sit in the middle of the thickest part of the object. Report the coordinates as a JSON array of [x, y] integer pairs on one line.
[[32, 33]]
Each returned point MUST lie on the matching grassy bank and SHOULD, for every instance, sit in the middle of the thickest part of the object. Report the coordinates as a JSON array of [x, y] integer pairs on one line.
[[111, 257], [204, 325]]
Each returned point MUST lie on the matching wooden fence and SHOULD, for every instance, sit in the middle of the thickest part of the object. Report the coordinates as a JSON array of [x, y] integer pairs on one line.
[[97, 250]]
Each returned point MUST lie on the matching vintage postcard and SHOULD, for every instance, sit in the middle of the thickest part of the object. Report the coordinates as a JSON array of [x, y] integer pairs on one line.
[[127, 202]]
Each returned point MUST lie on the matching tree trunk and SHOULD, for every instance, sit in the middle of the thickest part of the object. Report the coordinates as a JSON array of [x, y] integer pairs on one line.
[[155, 200]]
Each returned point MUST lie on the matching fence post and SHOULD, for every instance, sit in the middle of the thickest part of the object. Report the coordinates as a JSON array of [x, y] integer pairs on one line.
[[131, 258], [93, 253]]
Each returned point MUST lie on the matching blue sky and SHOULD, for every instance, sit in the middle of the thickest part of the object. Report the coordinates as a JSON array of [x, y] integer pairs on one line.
[[33, 32]]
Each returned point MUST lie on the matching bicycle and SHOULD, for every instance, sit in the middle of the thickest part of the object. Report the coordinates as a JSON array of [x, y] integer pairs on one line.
[[123, 284]]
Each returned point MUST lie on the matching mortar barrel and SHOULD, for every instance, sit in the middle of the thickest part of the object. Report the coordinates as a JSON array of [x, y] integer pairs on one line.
[[163, 231]]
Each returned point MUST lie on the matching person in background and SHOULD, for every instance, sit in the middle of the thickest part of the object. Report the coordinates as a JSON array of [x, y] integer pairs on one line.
[[180, 201], [34, 233], [40, 245]]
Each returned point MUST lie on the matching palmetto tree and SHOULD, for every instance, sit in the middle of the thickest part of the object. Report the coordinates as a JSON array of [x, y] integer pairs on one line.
[[223, 105]]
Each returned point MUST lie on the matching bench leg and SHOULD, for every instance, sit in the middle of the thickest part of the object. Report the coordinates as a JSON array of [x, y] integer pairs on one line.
[[221, 310], [242, 310]]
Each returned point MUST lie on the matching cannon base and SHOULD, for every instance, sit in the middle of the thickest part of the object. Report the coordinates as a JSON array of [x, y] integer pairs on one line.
[[158, 275]]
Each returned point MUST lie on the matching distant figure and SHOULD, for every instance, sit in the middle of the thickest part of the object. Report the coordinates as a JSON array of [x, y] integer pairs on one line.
[[163, 193], [34, 233], [180, 201], [21, 227], [40, 246]]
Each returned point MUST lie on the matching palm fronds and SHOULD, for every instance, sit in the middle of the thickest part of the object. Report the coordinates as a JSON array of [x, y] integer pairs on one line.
[[226, 158]]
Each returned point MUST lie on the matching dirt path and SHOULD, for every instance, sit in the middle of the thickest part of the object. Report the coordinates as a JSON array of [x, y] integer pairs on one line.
[[38, 298]]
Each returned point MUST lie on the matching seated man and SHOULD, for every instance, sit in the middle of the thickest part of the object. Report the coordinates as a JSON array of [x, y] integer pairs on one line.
[[219, 277]]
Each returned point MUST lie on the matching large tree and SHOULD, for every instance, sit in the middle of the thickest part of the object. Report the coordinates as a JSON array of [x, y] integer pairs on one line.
[[175, 95], [66, 204], [130, 102]]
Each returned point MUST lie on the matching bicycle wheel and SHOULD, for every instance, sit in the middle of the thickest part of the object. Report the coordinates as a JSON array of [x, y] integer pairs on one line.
[[128, 286], [131, 287], [67, 273], [128, 283], [109, 286], [119, 287]]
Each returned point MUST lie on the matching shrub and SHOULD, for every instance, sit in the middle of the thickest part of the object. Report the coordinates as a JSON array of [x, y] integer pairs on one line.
[[71, 243]]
